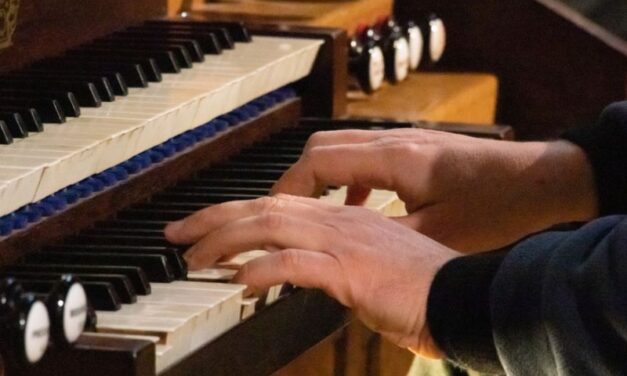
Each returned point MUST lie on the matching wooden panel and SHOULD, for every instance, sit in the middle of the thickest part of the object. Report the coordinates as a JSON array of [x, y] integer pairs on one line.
[[270, 339], [556, 69], [469, 98], [343, 14], [47, 27]]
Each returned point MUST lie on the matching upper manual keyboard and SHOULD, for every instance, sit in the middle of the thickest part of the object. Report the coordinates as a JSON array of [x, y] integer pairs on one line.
[[69, 117]]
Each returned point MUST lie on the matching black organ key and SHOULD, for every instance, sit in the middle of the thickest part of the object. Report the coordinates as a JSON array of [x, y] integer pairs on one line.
[[130, 69], [193, 46], [242, 173], [66, 99], [228, 182], [180, 51], [165, 60], [101, 84], [144, 69], [102, 296], [135, 232], [49, 109], [266, 158], [135, 275], [186, 208], [109, 83], [134, 224], [93, 239], [120, 282], [85, 91], [208, 41], [30, 116], [144, 214], [175, 264], [5, 134], [155, 266], [208, 190], [24, 325], [204, 199], [238, 31], [222, 34], [256, 165], [15, 124]]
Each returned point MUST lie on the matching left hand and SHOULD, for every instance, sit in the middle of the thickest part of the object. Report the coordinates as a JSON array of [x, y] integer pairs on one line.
[[380, 268]]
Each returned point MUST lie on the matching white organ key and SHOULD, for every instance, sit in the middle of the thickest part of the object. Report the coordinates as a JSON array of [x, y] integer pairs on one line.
[[106, 136], [382, 201]]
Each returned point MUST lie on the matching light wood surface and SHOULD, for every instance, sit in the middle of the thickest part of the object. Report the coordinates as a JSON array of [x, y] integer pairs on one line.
[[454, 97], [347, 14]]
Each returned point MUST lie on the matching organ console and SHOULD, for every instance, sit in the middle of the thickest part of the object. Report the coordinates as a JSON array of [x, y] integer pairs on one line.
[[115, 121]]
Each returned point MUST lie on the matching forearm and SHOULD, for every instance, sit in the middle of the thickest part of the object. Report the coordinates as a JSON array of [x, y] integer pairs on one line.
[[555, 301]]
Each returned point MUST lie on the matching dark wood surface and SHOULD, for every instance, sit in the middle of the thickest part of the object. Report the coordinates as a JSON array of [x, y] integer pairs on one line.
[[270, 339], [139, 187], [48, 27], [97, 357], [556, 69]]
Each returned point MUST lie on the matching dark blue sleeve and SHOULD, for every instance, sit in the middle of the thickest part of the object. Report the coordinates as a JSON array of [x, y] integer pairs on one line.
[[559, 302]]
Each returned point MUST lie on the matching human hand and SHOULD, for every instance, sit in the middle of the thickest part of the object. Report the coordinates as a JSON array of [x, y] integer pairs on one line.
[[470, 194], [370, 263]]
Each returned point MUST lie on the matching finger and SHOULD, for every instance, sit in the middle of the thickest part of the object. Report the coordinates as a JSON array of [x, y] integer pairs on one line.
[[357, 195], [193, 228], [299, 267], [268, 231], [366, 164]]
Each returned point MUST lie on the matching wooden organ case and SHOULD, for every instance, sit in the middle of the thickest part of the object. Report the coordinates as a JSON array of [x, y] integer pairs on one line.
[[245, 139]]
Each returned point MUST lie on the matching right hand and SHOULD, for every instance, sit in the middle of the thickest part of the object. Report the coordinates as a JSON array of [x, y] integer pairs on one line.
[[470, 194]]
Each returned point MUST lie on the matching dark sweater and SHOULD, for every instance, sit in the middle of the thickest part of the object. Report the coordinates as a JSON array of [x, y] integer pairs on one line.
[[556, 303]]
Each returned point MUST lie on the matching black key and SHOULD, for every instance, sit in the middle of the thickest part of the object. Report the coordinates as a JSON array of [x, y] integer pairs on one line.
[[49, 109], [136, 232], [148, 67], [166, 61], [101, 82], [265, 158], [227, 182], [182, 207], [214, 198], [237, 29], [278, 143], [66, 99], [152, 215], [221, 34], [135, 275], [16, 125], [102, 296], [88, 239], [256, 165], [85, 91], [193, 46], [181, 52], [120, 245], [5, 134], [131, 71], [222, 190], [275, 150], [133, 224], [207, 40], [105, 81], [120, 282], [155, 266], [243, 173], [29, 115]]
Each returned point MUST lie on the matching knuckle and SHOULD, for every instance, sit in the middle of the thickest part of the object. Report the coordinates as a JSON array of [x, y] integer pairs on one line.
[[266, 204], [271, 222], [316, 138], [289, 258]]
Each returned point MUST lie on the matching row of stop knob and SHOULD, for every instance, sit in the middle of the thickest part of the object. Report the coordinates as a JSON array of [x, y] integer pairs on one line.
[[389, 50]]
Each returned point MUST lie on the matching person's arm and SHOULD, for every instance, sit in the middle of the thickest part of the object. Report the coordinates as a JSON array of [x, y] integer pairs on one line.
[[551, 302], [556, 301]]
